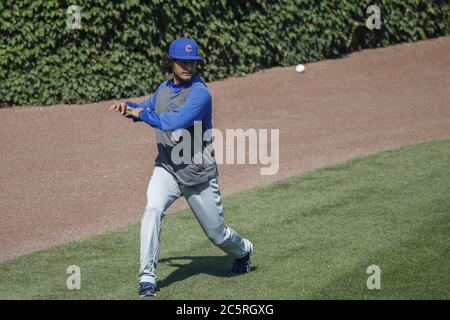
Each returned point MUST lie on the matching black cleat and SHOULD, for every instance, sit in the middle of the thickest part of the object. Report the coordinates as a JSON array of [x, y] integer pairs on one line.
[[147, 289], [242, 265]]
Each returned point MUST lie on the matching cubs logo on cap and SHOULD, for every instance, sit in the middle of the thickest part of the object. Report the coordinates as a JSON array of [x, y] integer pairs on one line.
[[184, 49]]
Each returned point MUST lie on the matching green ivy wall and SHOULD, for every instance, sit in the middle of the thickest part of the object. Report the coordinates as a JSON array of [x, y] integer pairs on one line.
[[118, 50]]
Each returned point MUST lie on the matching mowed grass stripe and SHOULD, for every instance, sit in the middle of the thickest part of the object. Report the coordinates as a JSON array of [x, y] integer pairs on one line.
[[315, 235]]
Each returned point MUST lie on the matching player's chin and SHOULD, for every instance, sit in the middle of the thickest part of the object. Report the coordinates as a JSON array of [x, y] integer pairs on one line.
[[186, 76]]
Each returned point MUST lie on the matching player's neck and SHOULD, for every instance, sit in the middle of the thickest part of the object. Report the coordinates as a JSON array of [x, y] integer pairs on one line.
[[175, 80]]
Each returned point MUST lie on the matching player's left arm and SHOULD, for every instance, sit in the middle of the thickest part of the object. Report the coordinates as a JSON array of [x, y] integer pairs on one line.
[[194, 109]]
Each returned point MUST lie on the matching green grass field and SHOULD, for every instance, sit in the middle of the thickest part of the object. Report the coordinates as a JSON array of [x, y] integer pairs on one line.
[[315, 235]]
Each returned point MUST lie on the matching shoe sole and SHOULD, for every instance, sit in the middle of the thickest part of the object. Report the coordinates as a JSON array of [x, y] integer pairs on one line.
[[146, 295]]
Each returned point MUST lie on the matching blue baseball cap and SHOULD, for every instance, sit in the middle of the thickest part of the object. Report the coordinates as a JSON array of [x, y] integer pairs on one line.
[[184, 49]]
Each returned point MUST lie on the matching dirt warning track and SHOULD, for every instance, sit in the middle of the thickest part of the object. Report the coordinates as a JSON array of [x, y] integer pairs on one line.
[[70, 171]]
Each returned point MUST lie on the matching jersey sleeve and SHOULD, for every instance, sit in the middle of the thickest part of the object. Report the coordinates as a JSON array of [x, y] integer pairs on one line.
[[148, 103], [197, 103]]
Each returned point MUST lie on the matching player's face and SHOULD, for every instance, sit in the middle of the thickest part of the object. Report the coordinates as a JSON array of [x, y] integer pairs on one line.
[[183, 70]]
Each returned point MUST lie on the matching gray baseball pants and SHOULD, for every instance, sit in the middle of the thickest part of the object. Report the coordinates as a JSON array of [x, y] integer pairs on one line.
[[204, 200]]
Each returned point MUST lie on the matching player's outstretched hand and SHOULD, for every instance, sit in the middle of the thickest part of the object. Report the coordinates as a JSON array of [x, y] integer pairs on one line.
[[127, 111], [120, 106]]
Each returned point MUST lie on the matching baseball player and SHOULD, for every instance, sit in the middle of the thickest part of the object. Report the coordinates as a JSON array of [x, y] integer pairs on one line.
[[182, 102]]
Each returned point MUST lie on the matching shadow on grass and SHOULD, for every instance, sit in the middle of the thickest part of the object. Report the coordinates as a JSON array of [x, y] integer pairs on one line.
[[188, 266]]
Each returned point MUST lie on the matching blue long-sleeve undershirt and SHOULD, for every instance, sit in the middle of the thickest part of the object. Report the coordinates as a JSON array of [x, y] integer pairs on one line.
[[147, 103], [197, 103]]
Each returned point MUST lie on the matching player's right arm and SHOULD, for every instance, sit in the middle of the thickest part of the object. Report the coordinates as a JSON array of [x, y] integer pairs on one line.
[[148, 103], [126, 106], [193, 109]]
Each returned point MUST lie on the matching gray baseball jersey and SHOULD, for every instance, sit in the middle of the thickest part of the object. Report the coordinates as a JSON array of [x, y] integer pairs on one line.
[[193, 172]]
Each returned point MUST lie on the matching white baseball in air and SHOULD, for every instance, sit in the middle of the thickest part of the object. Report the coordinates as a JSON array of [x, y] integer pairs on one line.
[[300, 68]]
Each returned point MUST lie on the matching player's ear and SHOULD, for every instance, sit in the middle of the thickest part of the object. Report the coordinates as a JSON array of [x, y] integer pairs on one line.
[[166, 64]]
